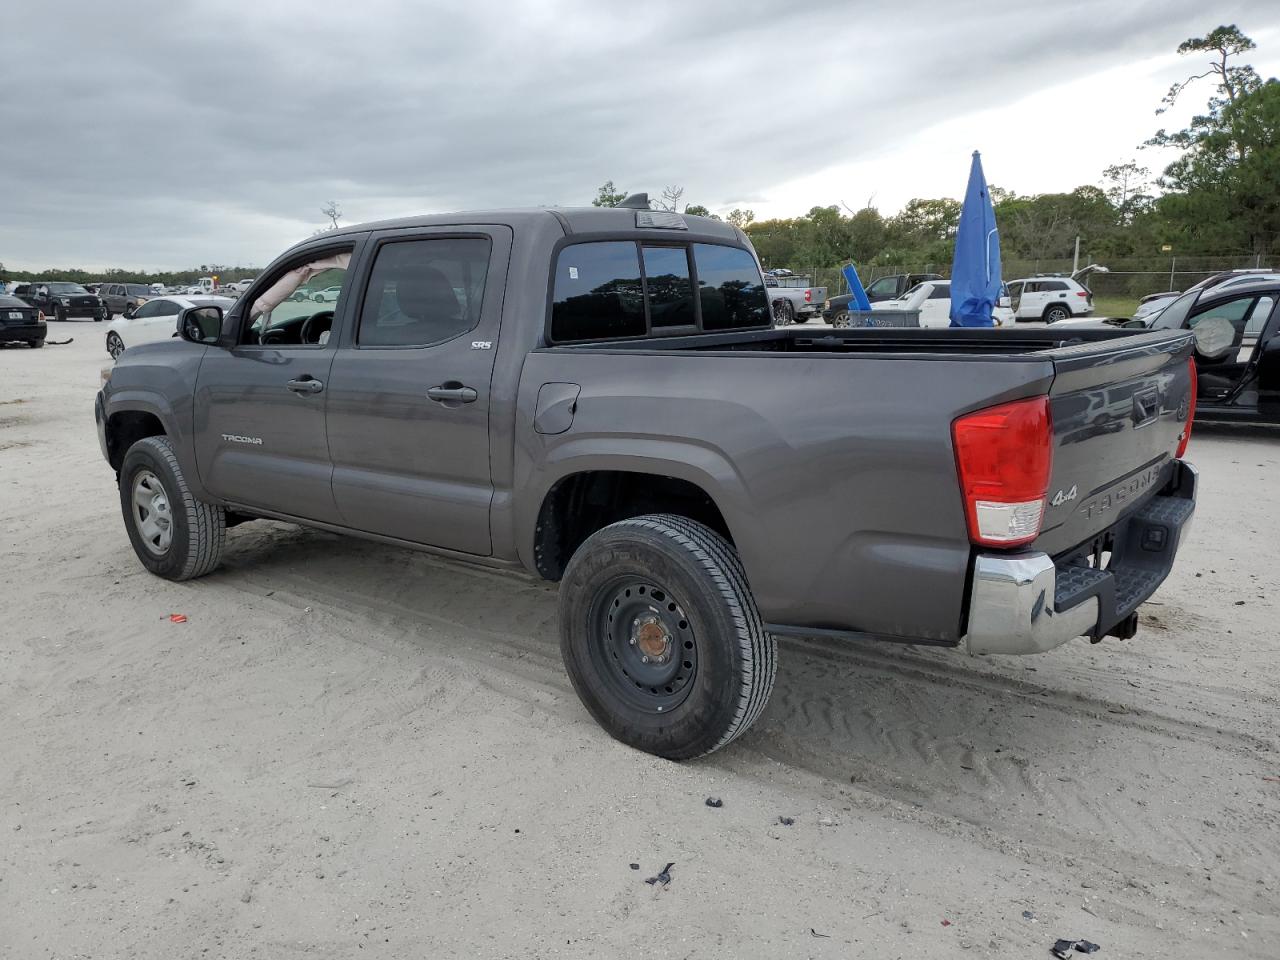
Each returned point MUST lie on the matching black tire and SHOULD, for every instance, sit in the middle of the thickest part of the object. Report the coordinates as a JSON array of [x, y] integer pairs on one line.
[[199, 529], [115, 346], [784, 312], [36, 344], [724, 661], [1055, 312], [59, 314], [841, 319]]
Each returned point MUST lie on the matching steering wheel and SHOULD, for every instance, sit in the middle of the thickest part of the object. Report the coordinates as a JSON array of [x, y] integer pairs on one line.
[[317, 324]]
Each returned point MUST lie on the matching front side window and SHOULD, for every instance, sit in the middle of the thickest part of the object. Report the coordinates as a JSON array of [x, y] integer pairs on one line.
[[153, 308], [597, 293], [666, 277], [884, 287], [285, 313], [423, 292]]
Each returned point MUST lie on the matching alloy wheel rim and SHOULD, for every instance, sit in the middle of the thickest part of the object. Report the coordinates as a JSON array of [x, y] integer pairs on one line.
[[152, 517]]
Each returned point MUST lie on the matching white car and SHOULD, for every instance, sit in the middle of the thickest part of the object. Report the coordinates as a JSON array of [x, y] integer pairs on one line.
[[327, 295], [933, 299], [1050, 299], [154, 321]]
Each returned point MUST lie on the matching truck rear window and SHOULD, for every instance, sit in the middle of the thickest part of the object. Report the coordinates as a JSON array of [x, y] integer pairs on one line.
[[600, 291]]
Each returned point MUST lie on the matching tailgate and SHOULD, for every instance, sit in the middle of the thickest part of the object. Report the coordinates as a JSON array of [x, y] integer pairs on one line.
[[1119, 408]]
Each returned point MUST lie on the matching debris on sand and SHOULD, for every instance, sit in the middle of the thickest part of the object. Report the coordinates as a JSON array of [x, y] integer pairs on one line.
[[787, 821], [663, 877], [177, 618], [715, 802], [1062, 949]]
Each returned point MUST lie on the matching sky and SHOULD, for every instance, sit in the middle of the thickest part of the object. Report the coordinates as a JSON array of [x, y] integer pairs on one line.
[[164, 134]]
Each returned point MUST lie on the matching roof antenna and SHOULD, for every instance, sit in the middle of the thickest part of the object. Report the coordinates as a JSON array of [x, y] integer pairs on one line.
[[637, 201]]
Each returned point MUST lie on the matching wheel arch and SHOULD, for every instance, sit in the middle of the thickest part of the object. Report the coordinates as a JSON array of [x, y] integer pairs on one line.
[[586, 496]]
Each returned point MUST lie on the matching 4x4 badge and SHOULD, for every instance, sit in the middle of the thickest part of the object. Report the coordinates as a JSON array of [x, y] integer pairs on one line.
[[1060, 497]]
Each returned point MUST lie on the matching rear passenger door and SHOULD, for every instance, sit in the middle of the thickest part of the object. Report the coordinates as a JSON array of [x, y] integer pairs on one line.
[[410, 388]]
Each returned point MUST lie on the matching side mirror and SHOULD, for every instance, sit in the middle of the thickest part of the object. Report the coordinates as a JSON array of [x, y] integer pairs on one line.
[[200, 324]]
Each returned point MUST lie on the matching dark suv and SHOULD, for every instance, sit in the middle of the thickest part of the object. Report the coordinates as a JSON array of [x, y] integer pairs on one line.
[[125, 297], [62, 300]]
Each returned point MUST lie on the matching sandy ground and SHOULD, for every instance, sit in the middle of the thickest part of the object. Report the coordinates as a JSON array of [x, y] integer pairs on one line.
[[350, 750]]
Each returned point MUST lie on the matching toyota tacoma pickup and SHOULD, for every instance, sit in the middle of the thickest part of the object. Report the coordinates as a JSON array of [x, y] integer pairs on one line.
[[599, 397]]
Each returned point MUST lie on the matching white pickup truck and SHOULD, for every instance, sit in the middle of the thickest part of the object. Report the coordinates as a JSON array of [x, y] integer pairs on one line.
[[792, 298]]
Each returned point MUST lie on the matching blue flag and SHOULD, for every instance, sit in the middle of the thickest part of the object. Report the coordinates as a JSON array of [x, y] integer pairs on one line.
[[975, 272]]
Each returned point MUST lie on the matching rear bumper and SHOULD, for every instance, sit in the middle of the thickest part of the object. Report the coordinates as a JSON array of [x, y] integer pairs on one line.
[[1030, 602], [23, 331]]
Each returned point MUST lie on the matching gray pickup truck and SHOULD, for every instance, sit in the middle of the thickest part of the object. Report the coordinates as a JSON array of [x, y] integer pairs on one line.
[[599, 397]]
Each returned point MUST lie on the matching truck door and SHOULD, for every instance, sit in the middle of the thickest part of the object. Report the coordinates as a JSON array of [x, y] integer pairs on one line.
[[260, 401], [410, 397]]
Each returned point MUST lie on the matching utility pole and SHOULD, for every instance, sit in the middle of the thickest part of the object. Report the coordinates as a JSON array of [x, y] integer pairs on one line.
[[1075, 263]]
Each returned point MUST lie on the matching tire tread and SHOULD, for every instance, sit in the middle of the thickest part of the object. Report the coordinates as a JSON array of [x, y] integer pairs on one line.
[[721, 563]]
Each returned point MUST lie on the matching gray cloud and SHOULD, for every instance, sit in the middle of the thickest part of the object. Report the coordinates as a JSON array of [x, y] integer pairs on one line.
[[174, 133]]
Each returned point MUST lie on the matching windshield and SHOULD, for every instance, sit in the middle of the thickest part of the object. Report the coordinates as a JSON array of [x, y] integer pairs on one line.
[[1174, 316], [66, 288]]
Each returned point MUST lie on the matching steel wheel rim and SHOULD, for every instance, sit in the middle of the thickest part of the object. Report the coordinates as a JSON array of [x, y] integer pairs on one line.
[[152, 517], [643, 644]]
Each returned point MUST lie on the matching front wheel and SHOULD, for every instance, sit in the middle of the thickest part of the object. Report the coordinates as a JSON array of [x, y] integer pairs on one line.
[[1056, 313], [661, 637], [115, 346], [59, 314], [36, 344], [174, 535], [841, 319]]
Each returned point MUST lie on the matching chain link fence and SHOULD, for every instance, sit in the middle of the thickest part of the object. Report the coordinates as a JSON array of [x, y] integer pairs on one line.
[[1126, 277]]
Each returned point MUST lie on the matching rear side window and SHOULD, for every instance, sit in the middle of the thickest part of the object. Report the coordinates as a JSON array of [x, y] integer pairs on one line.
[[600, 291], [423, 292], [941, 291], [598, 294], [1053, 285], [666, 274], [730, 291]]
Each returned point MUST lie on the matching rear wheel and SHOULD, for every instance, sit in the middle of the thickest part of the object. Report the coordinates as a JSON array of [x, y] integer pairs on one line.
[[36, 344], [115, 346], [661, 637], [784, 312], [174, 535], [1055, 313]]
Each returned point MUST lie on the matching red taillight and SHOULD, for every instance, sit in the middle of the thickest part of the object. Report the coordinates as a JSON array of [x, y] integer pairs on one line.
[[808, 296], [1081, 293], [1004, 456], [1185, 438]]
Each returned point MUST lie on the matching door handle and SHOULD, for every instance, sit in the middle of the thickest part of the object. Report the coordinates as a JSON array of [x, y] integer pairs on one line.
[[305, 385], [451, 391]]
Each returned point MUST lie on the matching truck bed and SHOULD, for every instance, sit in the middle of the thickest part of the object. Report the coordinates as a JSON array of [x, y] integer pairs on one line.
[[839, 481], [903, 342]]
